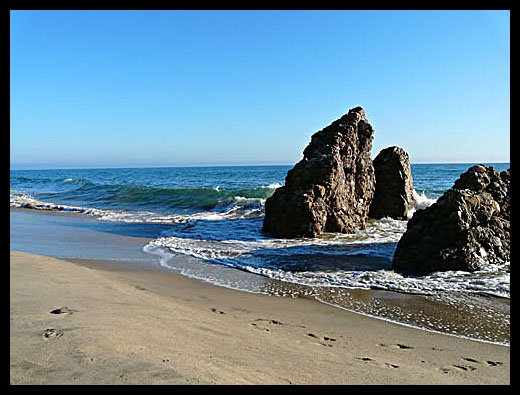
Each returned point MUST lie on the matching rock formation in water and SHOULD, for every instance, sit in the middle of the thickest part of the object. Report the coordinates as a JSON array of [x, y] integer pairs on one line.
[[393, 196], [466, 229], [331, 188]]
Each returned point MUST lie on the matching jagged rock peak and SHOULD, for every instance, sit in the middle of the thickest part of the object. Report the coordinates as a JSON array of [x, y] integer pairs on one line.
[[331, 188]]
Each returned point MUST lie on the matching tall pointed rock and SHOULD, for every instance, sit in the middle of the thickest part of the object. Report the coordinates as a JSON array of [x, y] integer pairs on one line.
[[393, 196], [331, 188]]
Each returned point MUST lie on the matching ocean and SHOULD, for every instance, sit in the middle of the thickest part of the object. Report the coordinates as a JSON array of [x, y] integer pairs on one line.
[[205, 223]]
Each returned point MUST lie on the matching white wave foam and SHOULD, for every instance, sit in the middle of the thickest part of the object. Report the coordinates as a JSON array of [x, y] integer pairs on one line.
[[378, 240], [22, 200], [274, 185], [421, 202], [496, 285], [249, 201], [251, 210]]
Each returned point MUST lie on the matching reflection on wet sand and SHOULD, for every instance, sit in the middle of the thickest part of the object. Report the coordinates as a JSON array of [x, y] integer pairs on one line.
[[478, 317]]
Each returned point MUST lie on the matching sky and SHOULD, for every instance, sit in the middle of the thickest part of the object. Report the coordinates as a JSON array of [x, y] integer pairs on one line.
[[223, 87]]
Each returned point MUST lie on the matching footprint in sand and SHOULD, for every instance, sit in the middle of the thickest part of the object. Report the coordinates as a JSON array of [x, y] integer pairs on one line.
[[266, 321], [371, 361], [465, 368], [260, 327], [274, 322], [323, 339], [398, 346], [470, 360], [51, 333], [62, 311]]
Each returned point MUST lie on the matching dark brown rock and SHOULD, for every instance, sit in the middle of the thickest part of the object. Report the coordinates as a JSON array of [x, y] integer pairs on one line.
[[393, 196], [466, 229], [331, 188]]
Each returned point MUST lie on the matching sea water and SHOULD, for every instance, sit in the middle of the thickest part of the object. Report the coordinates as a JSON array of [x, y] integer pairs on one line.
[[214, 215]]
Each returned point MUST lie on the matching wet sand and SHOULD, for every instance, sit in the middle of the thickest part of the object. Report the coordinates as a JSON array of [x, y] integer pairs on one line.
[[135, 326]]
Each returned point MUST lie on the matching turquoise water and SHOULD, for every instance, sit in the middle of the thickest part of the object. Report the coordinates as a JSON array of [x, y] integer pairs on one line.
[[170, 190], [205, 223], [182, 190]]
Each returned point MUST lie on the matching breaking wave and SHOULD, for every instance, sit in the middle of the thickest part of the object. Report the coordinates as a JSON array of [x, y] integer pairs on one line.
[[361, 260]]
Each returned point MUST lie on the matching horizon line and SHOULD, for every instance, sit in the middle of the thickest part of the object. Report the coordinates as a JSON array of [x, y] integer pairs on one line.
[[60, 167]]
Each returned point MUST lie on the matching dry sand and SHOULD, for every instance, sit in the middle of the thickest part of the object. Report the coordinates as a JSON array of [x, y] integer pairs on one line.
[[154, 327]]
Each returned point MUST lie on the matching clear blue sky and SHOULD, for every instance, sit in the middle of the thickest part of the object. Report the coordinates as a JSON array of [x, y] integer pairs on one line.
[[163, 88]]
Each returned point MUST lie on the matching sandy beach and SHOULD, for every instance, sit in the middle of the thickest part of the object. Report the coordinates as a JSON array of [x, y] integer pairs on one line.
[[129, 326]]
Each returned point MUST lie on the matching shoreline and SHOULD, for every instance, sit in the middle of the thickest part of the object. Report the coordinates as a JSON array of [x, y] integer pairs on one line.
[[136, 326], [418, 327], [108, 243]]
